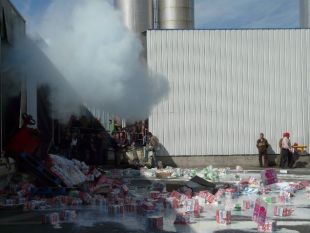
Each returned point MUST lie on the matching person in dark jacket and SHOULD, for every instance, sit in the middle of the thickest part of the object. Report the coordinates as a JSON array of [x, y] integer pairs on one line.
[[262, 146]]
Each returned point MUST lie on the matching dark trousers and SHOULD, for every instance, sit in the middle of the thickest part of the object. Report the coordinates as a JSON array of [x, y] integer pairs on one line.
[[286, 158], [290, 161], [260, 158]]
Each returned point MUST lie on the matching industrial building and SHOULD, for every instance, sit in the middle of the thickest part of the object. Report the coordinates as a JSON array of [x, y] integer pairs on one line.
[[227, 86], [27, 80], [12, 29]]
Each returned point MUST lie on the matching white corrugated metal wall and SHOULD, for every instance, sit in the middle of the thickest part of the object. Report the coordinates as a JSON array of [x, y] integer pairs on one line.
[[227, 86]]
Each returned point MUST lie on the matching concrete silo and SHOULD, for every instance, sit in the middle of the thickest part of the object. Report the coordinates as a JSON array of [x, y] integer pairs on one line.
[[137, 14], [304, 9], [176, 14]]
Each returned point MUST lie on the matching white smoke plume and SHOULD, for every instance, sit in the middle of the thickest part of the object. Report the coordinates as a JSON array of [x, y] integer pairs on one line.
[[100, 58]]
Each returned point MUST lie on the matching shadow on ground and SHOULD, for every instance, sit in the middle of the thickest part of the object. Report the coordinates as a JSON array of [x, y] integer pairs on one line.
[[232, 231], [108, 227]]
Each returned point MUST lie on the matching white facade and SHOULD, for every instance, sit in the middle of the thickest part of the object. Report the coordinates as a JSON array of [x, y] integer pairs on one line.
[[227, 86]]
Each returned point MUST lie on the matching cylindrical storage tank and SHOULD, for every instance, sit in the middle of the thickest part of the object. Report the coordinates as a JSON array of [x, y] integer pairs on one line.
[[176, 14], [137, 14], [304, 9]]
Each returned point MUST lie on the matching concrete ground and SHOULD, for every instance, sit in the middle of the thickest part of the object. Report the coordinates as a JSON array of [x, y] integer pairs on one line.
[[96, 220]]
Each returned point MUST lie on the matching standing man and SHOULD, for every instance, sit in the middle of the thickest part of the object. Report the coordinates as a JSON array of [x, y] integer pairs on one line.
[[152, 145], [123, 145], [286, 150], [262, 146], [111, 127]]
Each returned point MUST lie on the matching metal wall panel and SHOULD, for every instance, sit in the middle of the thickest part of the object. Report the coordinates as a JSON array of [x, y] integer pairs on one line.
[[227, 86]]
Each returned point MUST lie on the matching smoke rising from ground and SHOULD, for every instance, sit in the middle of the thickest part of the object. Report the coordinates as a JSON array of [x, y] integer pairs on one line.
[[100, 58]]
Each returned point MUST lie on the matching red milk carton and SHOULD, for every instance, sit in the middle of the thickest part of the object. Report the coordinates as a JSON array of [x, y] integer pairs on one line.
[[260, 212], [68, 215], [208, 196], [155, 194], [52, 218], [269, 226], [183, 217], [283, 211], [247, 204], [223, 217], [269, 176], [116, 209], [155, 222], [220, 193], [130, 208]]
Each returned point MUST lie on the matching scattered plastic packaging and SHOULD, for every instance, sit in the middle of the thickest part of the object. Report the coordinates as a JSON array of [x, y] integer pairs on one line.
[[113, 191]]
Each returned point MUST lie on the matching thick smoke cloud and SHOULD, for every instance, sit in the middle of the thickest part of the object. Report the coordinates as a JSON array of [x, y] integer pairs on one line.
[[100, 58], [28, 65]]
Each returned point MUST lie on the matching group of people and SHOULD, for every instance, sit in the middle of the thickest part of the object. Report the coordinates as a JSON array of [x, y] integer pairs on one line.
[[85, 141], [288, 155], [135, 135], [90, 147]]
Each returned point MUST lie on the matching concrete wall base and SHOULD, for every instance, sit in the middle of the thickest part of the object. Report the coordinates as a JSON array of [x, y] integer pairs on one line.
[[245, 161]]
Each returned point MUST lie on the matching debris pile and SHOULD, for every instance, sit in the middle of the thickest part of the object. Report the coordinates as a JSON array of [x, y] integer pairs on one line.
[[115, 193]]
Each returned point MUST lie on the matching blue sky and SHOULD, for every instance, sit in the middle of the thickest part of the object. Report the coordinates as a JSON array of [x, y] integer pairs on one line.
[[209, 13]]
